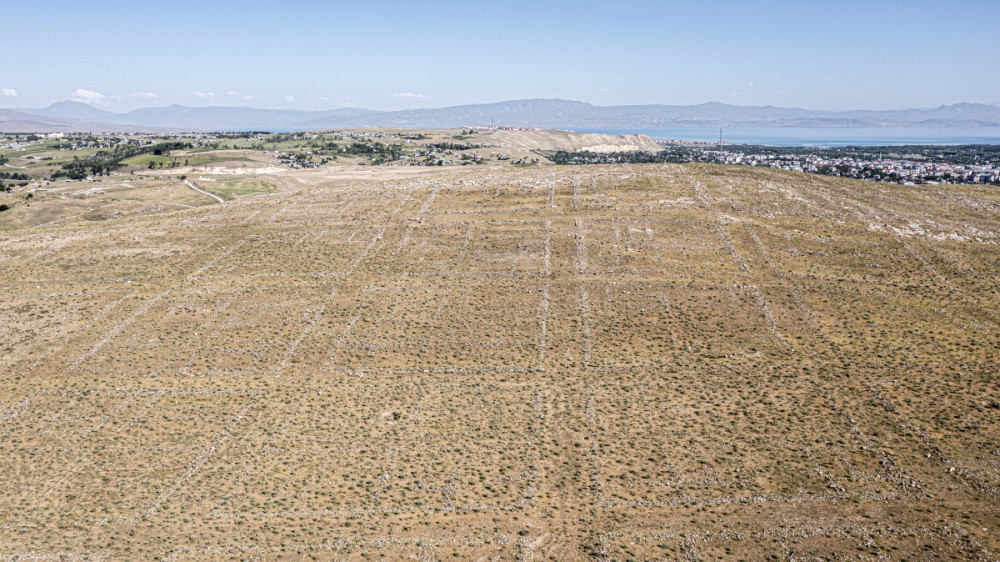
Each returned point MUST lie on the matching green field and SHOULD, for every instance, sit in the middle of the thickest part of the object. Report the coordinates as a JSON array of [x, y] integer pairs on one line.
[[239, 188], [31, 162], [145, 159], [191, 160]]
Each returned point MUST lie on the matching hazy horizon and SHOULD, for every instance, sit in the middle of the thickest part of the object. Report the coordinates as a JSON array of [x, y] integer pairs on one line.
[[120, 56], [154, 105]]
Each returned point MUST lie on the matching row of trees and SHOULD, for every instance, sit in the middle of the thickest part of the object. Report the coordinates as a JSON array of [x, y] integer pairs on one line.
[[450, 146], [103, 162], [675, 156], [172, 164]]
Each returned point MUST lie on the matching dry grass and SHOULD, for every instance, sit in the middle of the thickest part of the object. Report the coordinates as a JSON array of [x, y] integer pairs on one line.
[[639, 362]]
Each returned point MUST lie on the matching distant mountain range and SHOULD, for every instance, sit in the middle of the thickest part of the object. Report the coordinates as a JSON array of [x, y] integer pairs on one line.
[[69, 116]]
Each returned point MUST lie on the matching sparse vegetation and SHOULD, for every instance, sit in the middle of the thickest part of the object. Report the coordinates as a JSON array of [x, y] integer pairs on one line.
[[649, 362], [232, 189]]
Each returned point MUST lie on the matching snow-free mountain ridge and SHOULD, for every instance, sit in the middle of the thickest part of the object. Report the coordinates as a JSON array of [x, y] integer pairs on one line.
[[541, 113]]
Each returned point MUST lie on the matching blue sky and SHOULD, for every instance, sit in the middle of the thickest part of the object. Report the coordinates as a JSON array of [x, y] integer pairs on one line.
[[871, 54]]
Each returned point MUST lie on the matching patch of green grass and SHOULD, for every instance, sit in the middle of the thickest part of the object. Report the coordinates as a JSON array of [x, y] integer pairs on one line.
[[55, 158], [37, 148], [238, 188], [145, 159], [202, 159]]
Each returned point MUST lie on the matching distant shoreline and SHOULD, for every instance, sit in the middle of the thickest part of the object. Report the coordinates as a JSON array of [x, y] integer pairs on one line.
[[821, 137]]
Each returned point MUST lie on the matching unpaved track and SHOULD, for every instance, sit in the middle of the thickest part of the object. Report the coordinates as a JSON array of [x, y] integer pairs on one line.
[[200, 190]]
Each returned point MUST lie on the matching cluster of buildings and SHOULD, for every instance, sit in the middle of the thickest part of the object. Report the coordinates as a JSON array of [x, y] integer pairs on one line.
[[298, 160], [878, 169]]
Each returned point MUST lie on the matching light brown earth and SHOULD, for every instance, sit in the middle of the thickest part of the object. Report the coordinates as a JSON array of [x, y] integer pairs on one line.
[[571, 141], [632, 362]]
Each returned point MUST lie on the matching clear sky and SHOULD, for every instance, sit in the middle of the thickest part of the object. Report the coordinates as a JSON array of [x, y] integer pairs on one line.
[[383, 54]]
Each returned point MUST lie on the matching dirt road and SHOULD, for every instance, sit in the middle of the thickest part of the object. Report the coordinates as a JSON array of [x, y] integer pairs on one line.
[[200, 190]]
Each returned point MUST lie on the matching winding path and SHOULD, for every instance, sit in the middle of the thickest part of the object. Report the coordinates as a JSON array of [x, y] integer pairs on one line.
[[200, 190]]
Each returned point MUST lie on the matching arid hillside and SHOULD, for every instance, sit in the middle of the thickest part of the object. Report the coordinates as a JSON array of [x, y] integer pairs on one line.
[[633, 362], [572, 142]]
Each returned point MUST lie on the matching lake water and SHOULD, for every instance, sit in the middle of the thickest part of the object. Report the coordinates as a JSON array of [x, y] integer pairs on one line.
[[821, 136]]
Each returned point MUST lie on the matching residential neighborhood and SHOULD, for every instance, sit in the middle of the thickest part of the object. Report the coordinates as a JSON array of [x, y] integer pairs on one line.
[[907, 165], [896, 170]]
